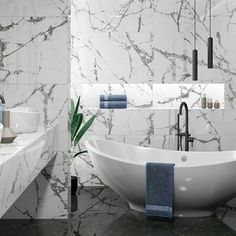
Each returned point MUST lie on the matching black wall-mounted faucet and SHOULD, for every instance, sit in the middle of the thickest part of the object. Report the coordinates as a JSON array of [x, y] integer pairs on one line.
[[186, 134]]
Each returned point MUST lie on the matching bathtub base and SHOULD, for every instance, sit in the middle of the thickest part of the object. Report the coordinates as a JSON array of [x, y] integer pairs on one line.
[[187, 214], [137, 207]]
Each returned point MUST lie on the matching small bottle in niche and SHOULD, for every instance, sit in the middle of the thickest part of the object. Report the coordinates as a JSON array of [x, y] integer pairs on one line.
[[209, 103], [203, 101], [216, 104]]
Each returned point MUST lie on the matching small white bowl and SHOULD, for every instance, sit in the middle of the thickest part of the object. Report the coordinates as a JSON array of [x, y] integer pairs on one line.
[[24, 120]]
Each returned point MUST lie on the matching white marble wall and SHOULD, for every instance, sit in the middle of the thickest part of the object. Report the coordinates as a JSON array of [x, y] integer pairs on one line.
[[34, 71], [126, 42]]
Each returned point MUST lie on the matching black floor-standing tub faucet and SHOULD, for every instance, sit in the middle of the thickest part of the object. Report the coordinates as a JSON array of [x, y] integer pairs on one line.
[[186, 134]]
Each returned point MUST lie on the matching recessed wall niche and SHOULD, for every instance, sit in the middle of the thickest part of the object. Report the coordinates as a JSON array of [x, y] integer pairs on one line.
[[155, 96]]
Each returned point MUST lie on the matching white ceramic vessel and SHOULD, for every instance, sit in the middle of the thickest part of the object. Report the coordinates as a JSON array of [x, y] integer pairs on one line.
[[202, 180], [24, 119]]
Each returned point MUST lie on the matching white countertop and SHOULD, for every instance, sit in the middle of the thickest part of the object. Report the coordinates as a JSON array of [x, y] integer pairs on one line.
[[21, 161]]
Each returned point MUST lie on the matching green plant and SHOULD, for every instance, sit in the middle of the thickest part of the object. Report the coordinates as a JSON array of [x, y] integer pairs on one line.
[[78, 126]]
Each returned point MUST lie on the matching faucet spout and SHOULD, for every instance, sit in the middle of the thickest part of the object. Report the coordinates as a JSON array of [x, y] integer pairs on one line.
[[183, 104]]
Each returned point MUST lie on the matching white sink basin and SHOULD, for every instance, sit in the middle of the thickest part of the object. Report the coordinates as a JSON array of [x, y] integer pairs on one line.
[[1, 129], [24, 120]]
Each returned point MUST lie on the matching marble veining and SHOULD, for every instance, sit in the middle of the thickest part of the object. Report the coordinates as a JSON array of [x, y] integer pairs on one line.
[[34, 71], [94, 62], [28, 47], [112, 16], [34, 8], [22, 161], [46, 197]]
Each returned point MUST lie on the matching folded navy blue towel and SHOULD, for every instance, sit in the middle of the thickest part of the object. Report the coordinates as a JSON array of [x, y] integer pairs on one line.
[[115, 97], [159, 190], [113, 104]]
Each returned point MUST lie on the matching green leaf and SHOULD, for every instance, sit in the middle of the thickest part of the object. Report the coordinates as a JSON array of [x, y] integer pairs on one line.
[[81, 152], [76, 124], [83, 130], [76, 120], [76, 108]]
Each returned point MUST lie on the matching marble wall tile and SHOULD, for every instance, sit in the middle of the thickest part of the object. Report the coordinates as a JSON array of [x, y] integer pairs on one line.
[[76, 91], [112, 15], [139, 95], [112, 57], [165, 122], [34, 50], [111, 122], [165, 141], [221, 122], [34, 8], [47, 196]]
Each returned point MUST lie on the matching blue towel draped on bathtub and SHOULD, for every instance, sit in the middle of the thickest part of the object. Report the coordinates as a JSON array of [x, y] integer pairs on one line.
[[159, 190]]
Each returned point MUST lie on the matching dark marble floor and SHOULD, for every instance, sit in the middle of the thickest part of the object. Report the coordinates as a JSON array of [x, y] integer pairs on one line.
[[99, 211], [102, 212], [34, 227]]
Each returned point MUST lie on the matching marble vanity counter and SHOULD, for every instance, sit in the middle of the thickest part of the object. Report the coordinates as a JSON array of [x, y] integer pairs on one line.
[[21, 161]]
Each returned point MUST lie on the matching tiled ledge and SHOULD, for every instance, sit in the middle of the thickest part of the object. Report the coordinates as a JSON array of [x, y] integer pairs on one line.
[[155, 96], [22, 161]]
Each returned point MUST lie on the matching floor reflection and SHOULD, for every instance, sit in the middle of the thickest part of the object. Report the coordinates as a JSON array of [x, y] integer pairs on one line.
[[34, 227], [134, 223], [99, 211]]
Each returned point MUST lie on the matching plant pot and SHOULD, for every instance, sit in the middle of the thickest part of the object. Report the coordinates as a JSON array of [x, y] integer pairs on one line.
[[74, 185]]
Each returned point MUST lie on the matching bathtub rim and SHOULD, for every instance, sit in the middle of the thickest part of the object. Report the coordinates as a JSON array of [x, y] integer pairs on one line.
[[88, 144]]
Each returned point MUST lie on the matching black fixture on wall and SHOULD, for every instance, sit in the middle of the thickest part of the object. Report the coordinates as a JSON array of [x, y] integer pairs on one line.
[[195, 52], [210, 42]]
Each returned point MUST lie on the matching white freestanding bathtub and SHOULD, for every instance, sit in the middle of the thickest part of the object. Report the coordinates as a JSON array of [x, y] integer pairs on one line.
[[202, 180]]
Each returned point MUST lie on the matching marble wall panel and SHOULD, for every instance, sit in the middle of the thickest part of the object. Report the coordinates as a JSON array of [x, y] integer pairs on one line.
[[124, 57], [34, 71], [33, 50], [34, 8], [112, 15]]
